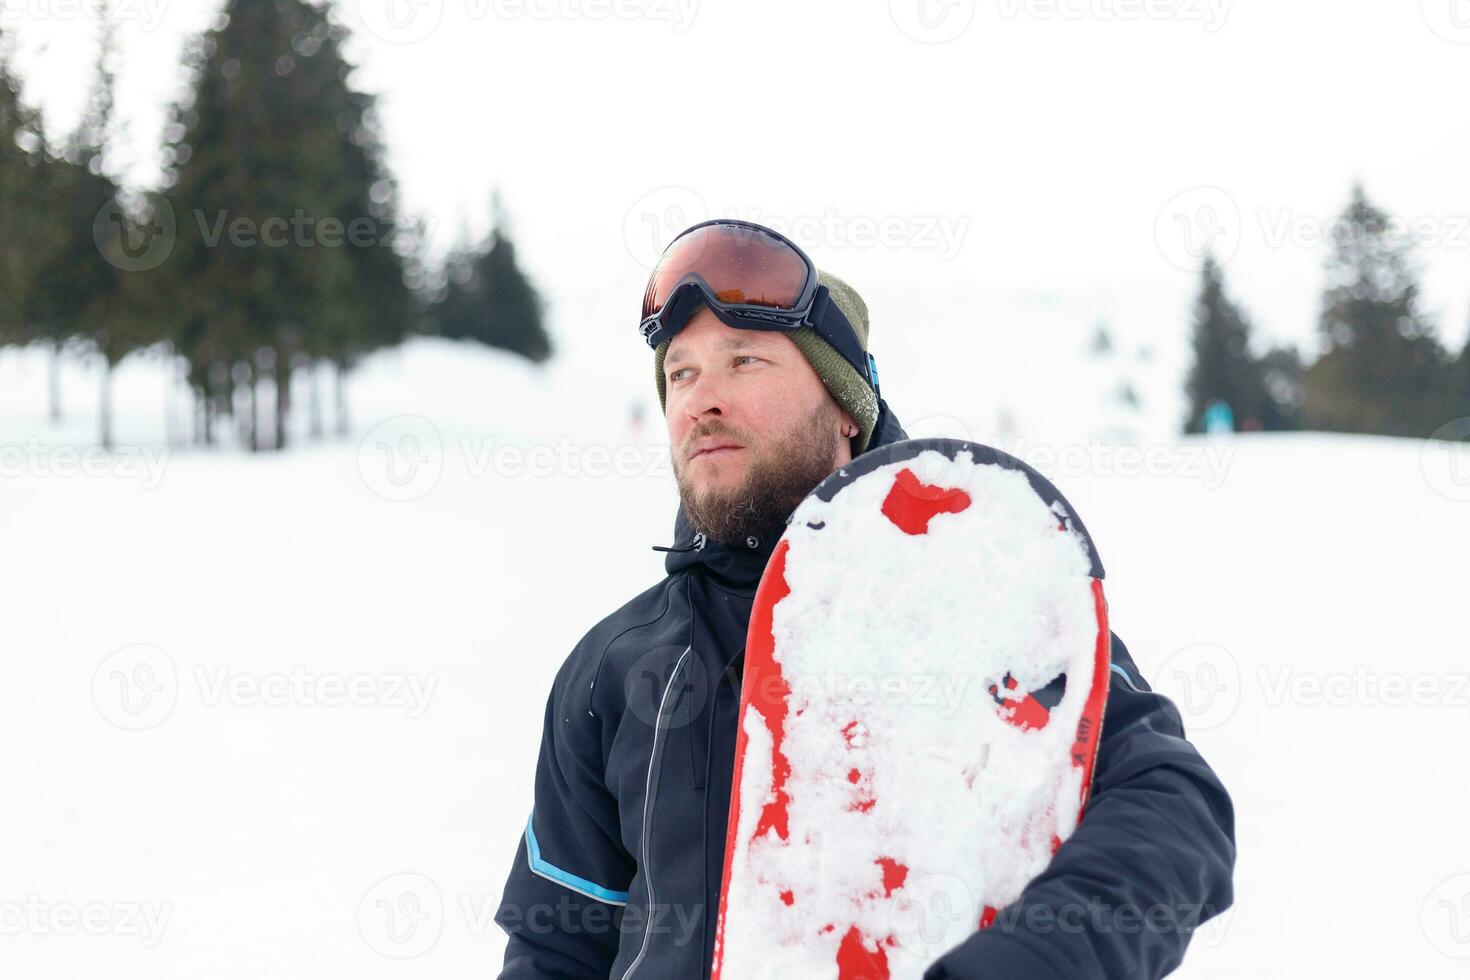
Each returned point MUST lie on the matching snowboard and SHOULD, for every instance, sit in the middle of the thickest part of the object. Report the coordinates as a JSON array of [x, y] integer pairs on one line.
[[925, 676]]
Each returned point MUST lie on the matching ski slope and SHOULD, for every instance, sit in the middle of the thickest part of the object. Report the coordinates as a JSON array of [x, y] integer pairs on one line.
[[277, 716]]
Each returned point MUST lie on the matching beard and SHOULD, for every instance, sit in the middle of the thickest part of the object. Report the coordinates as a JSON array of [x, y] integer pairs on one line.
[[778, 477]]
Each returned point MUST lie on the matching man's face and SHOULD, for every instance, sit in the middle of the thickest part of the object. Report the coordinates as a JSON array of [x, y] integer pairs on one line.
[[752, 429]]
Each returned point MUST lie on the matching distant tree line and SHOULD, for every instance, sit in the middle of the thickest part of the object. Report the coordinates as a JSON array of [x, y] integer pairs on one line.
[[273, 245], [1381, 370]]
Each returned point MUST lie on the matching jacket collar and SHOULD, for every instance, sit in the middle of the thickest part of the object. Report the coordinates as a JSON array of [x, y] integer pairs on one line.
[[739, 565]]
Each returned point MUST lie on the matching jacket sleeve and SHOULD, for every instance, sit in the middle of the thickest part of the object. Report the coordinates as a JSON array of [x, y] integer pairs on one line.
[[563, 903], [1150, 860]]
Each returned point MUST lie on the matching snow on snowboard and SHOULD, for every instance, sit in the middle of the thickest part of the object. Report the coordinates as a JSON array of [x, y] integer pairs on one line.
[[925, 676]]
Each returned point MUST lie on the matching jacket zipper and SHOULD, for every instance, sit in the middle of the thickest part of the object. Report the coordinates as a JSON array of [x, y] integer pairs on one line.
[[648, 794]]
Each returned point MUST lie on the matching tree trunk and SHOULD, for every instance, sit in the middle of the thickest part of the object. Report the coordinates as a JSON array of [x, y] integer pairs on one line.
[[106, 404], [201, 413], [230, 405], [283, 399], [315, 396], [54, 386], [342, 398], [170, 396], [253, 383]]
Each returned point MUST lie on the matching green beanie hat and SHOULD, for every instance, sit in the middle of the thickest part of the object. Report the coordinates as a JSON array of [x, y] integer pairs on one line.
[[841, 378]]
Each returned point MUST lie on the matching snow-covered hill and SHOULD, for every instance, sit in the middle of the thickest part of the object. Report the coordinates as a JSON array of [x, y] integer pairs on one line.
[[254, 709]]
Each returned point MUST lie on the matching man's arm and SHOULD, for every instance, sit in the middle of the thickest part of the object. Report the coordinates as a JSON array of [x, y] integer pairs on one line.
[[1150, 860], [562, 903]]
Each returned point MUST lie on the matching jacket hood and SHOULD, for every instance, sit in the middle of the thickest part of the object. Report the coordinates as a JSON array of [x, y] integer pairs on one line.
[[741, 564]]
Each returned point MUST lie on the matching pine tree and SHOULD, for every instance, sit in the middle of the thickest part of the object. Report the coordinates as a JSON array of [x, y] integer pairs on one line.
[[1382, 371], [113, 316], [514, 310], [31, 237], [488, 299], [287, 221], [18, 212], [80, 292], [1462, 381], [1281, 370], [1224, 368]]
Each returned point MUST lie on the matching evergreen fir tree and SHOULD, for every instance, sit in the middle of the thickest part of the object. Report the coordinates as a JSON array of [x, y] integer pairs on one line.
[[1281, 370], [1382, 371], [273, 142], [1224, 368], [488, 299], [80, 291], [32, 238], [19, 215]]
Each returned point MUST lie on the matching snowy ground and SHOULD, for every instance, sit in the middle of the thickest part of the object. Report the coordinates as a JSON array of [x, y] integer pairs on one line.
[[276, 717]]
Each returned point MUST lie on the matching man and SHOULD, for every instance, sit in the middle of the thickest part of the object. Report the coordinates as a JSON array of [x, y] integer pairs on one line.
[[767, 387]]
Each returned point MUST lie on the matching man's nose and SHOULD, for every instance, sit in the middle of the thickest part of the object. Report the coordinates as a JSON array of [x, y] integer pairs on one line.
[[707, 396]]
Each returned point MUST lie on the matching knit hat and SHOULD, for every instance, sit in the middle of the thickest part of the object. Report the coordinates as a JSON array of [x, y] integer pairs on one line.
[[841, 378]]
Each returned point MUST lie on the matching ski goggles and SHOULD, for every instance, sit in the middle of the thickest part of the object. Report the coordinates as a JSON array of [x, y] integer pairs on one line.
[[752, 278]]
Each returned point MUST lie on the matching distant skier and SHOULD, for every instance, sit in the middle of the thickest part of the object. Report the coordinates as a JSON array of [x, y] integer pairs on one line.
[[1219, 419], [767, 387]]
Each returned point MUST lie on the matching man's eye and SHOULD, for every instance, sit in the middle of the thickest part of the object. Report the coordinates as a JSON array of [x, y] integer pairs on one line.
[[747, 357], [675, 375]]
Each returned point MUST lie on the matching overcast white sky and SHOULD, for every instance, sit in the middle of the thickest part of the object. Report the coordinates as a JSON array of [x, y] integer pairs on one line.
[[950, 157]]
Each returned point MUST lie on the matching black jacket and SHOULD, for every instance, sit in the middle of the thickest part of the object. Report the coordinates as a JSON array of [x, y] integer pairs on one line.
[[618, 871]]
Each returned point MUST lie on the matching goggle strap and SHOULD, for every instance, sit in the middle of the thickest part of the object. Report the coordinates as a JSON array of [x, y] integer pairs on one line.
[[832, 325]]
